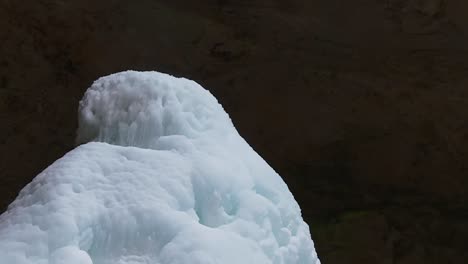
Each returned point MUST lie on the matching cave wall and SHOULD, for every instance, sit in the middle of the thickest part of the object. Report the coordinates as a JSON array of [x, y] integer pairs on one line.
[[359, 105]]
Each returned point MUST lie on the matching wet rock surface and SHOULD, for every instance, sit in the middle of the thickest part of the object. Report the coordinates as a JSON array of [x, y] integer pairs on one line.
[[360, 106]]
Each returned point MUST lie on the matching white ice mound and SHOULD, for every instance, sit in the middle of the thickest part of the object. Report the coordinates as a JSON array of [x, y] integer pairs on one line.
[[171, 181]]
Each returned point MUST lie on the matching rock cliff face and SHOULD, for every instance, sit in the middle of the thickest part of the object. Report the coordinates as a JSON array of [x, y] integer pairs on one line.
[[360, 105]]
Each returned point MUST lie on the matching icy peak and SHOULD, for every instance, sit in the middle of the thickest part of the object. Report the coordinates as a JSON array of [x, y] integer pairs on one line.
[[137, 108], [173, 184]]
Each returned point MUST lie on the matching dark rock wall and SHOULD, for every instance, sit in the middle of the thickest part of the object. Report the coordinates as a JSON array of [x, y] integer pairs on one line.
[[360, 105]]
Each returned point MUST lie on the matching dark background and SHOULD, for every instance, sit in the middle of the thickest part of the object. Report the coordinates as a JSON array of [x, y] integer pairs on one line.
[[360, 105]]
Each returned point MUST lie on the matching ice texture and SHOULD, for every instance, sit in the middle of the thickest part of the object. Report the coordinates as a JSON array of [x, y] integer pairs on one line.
[[161, 177]]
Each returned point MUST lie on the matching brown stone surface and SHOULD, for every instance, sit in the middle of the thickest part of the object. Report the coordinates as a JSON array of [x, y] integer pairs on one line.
[[360, 105]]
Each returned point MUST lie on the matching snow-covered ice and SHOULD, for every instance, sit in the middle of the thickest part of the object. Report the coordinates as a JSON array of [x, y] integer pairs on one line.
[[162, 177]]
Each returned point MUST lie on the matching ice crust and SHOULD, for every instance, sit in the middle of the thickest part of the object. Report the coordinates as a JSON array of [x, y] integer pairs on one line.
[[162, 177]]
